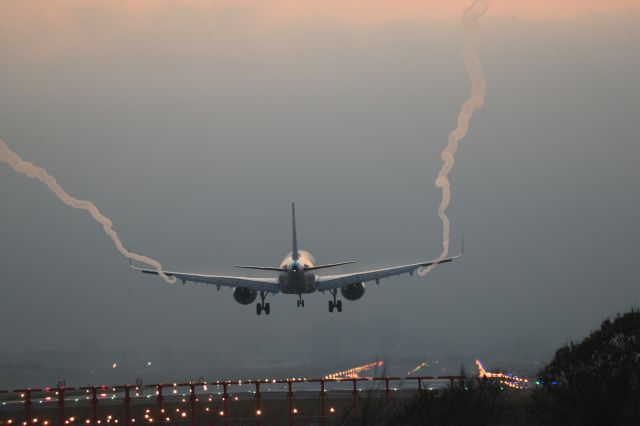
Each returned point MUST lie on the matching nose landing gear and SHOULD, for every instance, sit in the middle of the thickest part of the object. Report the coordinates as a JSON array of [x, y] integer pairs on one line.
[[260, 307], [335, 304], [300, 301]]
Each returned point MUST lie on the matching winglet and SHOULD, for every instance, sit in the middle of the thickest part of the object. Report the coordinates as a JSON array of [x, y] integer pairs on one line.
[[459, 255]]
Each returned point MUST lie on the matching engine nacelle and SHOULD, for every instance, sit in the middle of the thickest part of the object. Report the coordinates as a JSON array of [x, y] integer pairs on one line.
[[244, 296], [353, 291]]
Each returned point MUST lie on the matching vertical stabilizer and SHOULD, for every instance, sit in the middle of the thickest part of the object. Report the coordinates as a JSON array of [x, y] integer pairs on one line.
[[294, 249]]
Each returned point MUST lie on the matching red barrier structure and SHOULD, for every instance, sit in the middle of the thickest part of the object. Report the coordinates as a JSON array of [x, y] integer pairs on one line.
[[127, 401], [189, 394], [323, 411], [160, 414], [28, 403], [292, 410], [225, 402], [60, 391], [94, 400], [387, 390], [258, 397], [193, 399]]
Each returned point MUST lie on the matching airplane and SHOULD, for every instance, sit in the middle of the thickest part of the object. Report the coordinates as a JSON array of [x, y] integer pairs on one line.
[[297, 275]]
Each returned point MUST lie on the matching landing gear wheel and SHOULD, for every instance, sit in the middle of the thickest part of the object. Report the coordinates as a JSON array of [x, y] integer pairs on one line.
[[330, 305], [263, 306], [302, 303], [298, 303], [339, 305]]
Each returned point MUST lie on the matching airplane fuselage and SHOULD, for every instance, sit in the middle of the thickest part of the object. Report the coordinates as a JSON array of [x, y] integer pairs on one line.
[[296, 280]]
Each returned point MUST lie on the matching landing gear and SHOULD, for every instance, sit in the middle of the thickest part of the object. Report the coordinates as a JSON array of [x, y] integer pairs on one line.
[[260, 307], [300, 301], [335, 304], [266, 308]]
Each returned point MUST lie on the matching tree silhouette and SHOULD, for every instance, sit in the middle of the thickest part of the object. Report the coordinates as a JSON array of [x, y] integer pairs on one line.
[[596, 381]]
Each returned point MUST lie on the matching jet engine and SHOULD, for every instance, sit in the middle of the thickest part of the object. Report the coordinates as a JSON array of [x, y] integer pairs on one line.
[[244, 296], [353, 291]]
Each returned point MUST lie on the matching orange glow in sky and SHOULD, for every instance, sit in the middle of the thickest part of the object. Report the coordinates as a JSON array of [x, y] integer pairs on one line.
[[373, 11], [348, 11], [48, 28]]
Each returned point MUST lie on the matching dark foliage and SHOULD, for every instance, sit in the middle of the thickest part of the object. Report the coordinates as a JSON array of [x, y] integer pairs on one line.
[[596, 381], [469, 402]]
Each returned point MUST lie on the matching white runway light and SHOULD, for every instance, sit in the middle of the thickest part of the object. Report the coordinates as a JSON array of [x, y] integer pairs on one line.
[[30, 170], [470, 19]]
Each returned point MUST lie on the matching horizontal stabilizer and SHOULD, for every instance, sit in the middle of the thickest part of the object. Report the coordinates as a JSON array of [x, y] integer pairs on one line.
[[309, 268], [261, 268], [329, 265]]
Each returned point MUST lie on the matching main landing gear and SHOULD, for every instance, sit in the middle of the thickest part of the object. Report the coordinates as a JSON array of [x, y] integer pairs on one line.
[[266, 307], [300, 301], [335, 304]]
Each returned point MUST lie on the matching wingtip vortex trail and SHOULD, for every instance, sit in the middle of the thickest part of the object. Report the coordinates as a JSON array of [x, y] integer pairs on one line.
[[29, 169], [470, 19]]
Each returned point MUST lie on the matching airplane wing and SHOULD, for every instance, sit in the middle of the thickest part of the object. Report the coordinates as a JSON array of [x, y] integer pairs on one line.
[[331, 282], [268, 285]]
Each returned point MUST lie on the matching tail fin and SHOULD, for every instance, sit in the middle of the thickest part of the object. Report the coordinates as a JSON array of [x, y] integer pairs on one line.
[[294, 250]]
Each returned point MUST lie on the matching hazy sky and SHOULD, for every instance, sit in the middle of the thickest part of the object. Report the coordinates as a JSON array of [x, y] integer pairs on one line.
[[194, 124]]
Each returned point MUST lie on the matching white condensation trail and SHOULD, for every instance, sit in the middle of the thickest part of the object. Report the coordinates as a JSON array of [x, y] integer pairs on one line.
[[29, 169], [470, 19]]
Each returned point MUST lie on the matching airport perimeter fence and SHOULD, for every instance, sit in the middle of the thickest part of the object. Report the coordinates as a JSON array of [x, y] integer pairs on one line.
[[252, 402]]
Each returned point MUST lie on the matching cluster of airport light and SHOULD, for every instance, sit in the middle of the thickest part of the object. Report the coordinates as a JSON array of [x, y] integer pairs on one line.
[[353, 373], [508, 380], [109, 419], [148, 417], [164, 416], [418, 368], [188, 395], [180, 415], [37, 421]]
